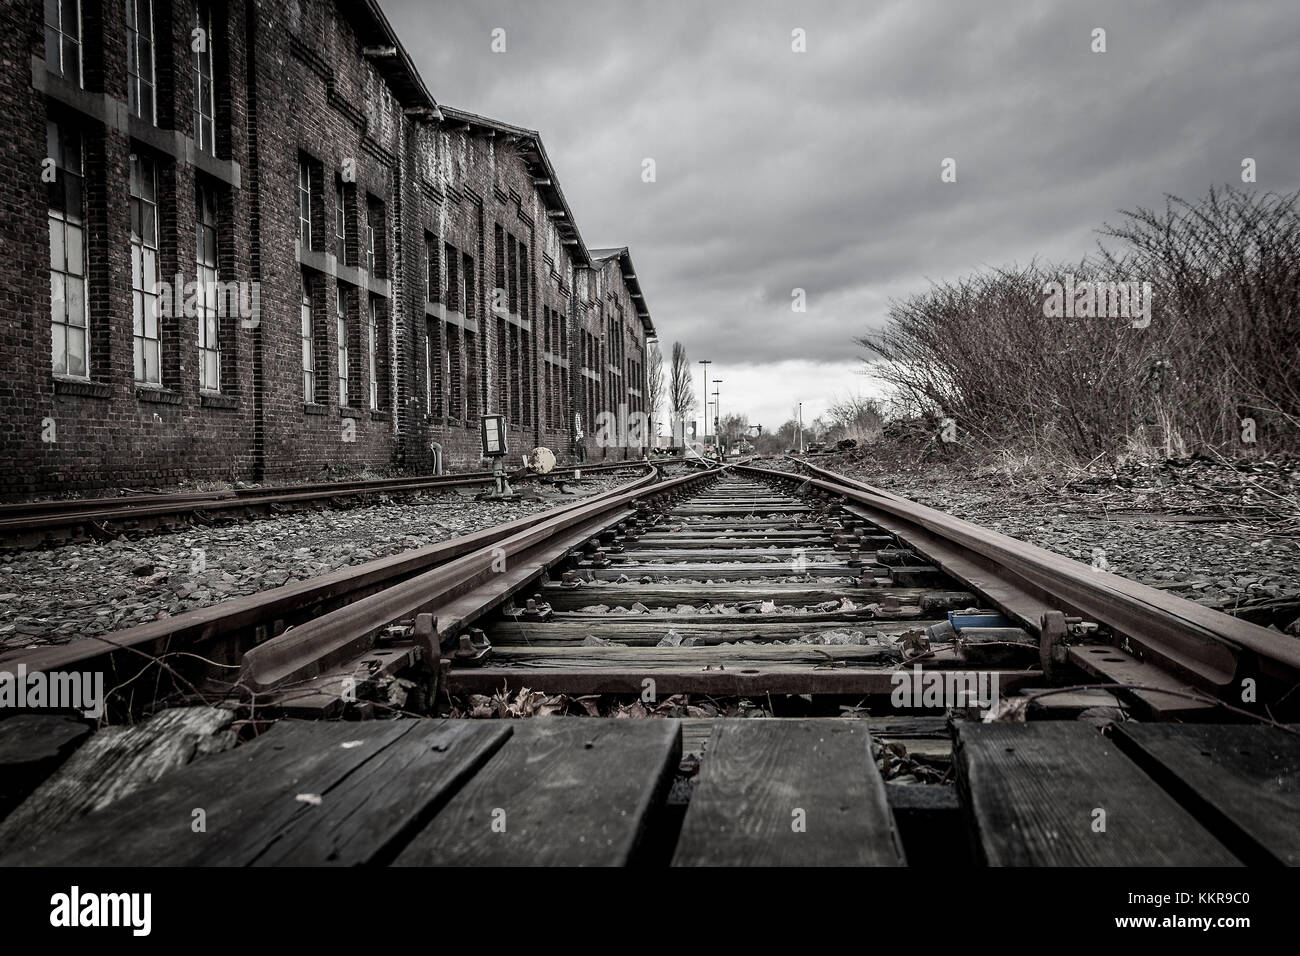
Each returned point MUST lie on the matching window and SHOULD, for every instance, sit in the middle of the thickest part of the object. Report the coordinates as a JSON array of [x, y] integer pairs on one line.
[[374, 234], [308, 350], [512, 332], [139, 60], [467, 285], [512, 260], [455, 372], [68, 325], [205, 258], [341, 209], [63, 38], [430, 351], [144, 269], [304, 203], [469, 359], [373, 341], [432, 270], [452, 298], [341, 321], [205, 97]]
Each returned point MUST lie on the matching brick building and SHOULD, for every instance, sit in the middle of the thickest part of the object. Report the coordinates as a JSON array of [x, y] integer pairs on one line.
[[243, 241]]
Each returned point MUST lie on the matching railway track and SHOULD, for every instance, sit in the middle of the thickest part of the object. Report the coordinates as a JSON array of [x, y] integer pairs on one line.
[[33, 524], [999, 698]]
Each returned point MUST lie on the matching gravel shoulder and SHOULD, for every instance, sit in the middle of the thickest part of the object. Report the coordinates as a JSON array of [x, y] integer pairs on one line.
[[80, 590], [1225, 534]]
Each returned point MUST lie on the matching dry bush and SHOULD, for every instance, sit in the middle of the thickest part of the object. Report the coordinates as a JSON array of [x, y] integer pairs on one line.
[[1221, 344]]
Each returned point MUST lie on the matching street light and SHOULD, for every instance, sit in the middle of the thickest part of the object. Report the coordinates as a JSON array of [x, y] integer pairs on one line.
[[801, 428], [706, 363]]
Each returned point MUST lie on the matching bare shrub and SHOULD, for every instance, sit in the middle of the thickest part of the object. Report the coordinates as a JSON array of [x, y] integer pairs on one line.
[[1221, 344]]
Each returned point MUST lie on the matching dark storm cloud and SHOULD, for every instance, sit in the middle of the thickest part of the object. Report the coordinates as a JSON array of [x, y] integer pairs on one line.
[[820, 170]]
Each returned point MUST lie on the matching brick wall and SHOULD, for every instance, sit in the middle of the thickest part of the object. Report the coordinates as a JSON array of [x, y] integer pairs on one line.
[[416, 193], [86, 432]]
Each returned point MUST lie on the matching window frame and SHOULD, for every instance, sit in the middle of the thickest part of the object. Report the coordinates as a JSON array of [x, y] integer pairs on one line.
[[203, 70], [142, 297], [61, 33], [61, 221], [307, 330], [135, 78], [208, 274], [304, 197], [341, 328], [372, 332]]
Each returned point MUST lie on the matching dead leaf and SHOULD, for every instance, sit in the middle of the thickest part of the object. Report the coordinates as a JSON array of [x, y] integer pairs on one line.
[[1010, 710]]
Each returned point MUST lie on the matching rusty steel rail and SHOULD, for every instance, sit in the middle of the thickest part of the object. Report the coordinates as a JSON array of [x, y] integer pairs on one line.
[[1211, 652], [44, 516], [222, 630], [457, 592]]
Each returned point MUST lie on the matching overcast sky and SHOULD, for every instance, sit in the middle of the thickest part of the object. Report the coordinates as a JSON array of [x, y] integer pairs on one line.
[[820, 170]]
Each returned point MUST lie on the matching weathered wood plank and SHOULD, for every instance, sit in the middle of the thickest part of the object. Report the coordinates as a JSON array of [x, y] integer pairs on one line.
[[31, 747], [113, 763], [858, 617], [789, 793], [564, 791], [670, 595], [754, 679], [715, 630], [730, 656], [784, 556], [1038, 794], [304, 793], [1242, 782], [719, 571]]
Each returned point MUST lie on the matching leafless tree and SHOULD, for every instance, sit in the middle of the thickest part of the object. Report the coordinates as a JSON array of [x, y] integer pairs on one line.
[[855, 417], [655, 400], [681, 390]]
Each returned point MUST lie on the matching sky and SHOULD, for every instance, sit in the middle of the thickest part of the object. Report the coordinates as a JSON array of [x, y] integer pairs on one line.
[[820, 170]]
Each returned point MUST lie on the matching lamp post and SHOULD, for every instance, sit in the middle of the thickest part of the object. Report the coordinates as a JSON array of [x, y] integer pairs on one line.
[[706, 363], [801, 428]]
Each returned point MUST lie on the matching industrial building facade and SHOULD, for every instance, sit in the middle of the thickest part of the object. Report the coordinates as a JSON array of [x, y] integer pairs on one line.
[[243, 242]]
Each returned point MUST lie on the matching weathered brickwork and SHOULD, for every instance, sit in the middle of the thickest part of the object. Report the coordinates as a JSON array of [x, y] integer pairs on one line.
[[394, 269]]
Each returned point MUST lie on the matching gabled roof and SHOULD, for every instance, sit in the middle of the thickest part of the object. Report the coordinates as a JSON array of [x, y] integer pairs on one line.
[[529, 143], [385, 52], [603, 256]]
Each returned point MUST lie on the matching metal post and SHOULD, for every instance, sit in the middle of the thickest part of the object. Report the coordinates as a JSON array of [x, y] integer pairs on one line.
[[706, 363]]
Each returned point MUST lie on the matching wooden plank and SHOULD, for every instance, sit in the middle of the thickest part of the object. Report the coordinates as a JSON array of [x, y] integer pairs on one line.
[[784, 556], [861, 615], [789, 793], [308, 793], [753, 679], [564, 791], [730, 656], [721, 572], [113, 763], [670, 595], [31, 747], [1241, 781], [1036, 794], [715, 629]]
